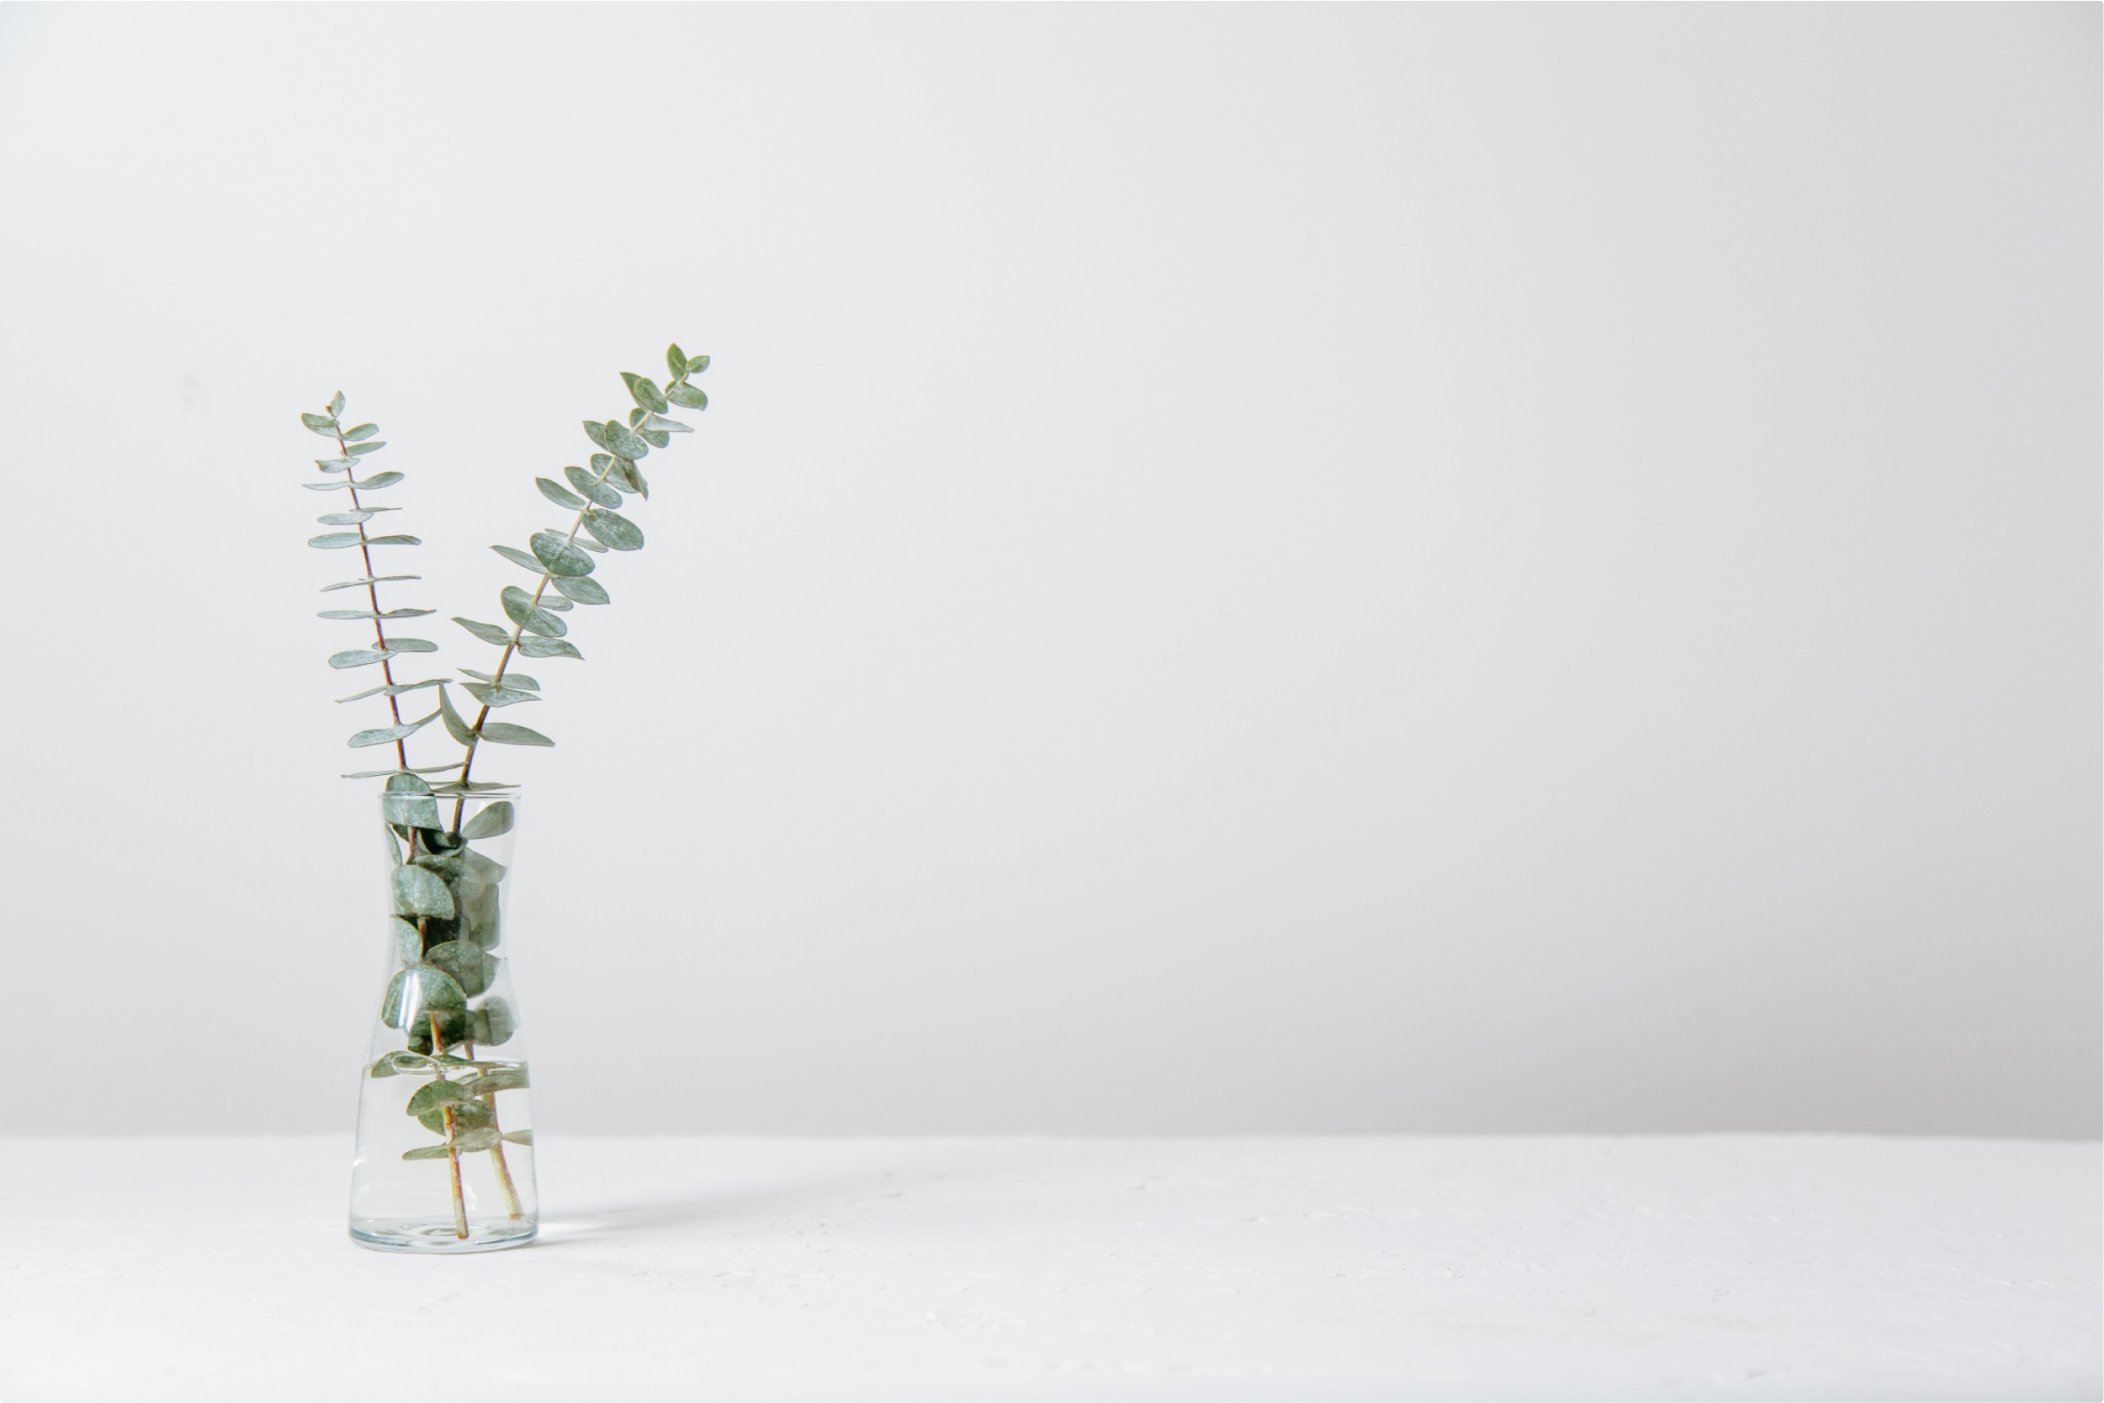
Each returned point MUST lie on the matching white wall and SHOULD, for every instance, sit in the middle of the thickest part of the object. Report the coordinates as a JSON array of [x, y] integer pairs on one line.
[[1362, 568]]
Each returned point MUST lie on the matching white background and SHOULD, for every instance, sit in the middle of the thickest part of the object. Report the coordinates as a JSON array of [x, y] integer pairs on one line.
[[1465, 569]]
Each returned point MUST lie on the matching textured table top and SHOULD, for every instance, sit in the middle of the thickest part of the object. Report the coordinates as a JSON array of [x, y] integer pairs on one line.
[[1566, 1267]]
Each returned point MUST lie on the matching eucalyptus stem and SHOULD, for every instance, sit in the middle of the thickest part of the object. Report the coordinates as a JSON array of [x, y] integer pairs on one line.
[[372, 592]]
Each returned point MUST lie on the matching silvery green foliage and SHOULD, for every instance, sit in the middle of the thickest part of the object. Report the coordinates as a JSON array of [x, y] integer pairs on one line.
[[353, 446], [446, 895], [561, 562]]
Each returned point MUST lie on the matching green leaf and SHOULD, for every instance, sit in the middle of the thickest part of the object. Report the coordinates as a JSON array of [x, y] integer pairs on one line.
[[325, 486], [501, 1079], [623, 443], [470, 968], [457, 728], [645, 392], [504, 733], [387, 734], [521, 610], [435, 1096], [320, 423], [393, 541], [419, 893], [582, 589], [369, 614], [613, 530], [412, 770], [409, 941], [362, 432], [519, 557], [495, 1021], [335, 465], [557, 493], [336, 405], [595, 432], [687, 397], [406, 784], [359, 450], [357, 657], [472, 1138], [587, 543], [395, 690], [356, 518], [636, 416], [479, 904], [675, 360], [334, 540], [589, 484], [655, 438], [395, 1064], [511, 679], [519, 1137], [559, 557], [429, 1152], [411, 645], [494, 697], [630, 478], [555, 603], [488, 633], [667, 426], [419, 988], [378, 481], [549, 648], [411, 810], [368, 580], [495, 819]]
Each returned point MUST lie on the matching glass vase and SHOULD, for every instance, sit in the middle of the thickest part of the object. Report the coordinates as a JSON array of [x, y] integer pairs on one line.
[[444, 1161]]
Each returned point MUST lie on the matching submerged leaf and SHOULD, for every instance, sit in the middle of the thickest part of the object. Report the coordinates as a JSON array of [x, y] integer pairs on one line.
[[472, 1138], [502, 1079], [429, 1152], [435, 1096], [409, 941], [519, 1137]]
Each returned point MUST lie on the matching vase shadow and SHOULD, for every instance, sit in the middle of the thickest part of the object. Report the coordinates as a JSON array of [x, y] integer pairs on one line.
[[727, 1204]]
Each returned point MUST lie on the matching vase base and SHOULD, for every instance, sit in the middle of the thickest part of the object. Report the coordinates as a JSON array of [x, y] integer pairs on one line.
[[438, 1235]]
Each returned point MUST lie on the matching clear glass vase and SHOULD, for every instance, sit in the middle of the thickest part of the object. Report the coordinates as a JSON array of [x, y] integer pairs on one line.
[[445, 1130]]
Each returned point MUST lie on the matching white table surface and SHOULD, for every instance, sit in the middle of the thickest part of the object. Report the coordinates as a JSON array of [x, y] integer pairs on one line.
[[1568, 1267]]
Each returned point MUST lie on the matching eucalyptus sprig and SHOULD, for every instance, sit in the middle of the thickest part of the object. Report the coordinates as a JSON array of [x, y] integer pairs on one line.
[[563, 559], [353, 446], [447, 912]]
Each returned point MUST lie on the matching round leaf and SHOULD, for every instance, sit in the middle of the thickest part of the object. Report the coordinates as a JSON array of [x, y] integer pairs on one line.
[[419, 893], [470, 968], [418, 990], [582, 589], [613, 530]]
